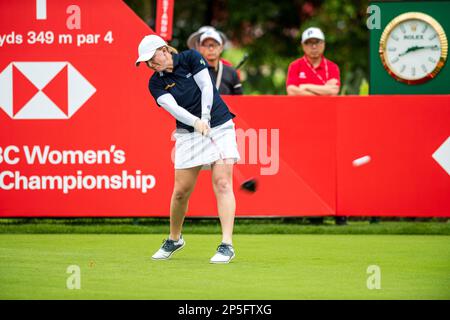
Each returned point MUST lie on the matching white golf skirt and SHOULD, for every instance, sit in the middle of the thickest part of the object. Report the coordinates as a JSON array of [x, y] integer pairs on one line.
[[193, 150]]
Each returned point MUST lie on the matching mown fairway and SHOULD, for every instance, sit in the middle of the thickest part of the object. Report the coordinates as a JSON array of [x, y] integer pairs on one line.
[[33, 266]]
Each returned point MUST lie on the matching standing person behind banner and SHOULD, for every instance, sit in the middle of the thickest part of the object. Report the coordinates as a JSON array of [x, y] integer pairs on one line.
[[224, 77], [193, 42], [313, 74]]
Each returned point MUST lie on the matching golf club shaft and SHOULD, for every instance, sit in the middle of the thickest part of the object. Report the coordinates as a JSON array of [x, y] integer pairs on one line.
[[243, 60]]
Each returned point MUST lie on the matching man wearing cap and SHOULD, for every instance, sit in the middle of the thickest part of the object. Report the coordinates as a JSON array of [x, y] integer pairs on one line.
[[313, 74], [224, 77], [193, 42]]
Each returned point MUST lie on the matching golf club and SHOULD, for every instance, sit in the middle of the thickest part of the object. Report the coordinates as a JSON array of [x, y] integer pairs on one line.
[[249, 185], [243, 60]]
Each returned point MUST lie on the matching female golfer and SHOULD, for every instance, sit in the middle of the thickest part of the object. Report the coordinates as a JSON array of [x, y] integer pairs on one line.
[[205, 137]]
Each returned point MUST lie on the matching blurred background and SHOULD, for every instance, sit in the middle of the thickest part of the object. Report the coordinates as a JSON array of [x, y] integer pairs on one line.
[[269, 32]]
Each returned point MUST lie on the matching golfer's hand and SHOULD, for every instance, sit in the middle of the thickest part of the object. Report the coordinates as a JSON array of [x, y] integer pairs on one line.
[[207, 119], [201, 126]]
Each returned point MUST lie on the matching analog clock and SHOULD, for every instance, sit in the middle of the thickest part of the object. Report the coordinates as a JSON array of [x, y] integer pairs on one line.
[[413, 48]]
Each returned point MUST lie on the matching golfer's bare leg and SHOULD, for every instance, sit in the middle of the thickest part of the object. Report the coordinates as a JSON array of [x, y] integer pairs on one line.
[[185, 180], [222, 178]]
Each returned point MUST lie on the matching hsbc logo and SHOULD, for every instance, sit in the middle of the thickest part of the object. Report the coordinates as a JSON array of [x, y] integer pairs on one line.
[[43, 90]]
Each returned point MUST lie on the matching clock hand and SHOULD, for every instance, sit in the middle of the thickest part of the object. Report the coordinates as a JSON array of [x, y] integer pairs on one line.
[[410, 49], [415, 48]]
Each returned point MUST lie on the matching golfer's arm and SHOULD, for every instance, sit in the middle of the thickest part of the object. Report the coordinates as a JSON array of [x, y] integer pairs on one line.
[[168, 102], [323, 90], [203, 81], [297, 91]]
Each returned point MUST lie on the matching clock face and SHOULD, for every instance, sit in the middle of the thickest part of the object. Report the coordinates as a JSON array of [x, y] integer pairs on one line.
[[413, 49]]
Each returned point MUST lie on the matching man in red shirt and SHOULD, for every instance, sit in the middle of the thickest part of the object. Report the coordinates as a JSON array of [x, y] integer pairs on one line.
[[313, 74]]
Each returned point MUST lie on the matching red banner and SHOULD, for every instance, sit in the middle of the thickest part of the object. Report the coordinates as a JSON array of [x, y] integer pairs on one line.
[[164, 18], [393, 155], [80, 134]]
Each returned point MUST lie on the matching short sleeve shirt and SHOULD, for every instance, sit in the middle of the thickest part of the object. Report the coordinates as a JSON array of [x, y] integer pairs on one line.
[[181, 84], [302, 72]]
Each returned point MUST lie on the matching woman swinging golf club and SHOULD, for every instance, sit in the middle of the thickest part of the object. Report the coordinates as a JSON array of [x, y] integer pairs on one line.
[[182, 85]]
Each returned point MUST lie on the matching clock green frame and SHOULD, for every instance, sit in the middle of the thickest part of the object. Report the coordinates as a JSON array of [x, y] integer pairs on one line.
[[380, 81]]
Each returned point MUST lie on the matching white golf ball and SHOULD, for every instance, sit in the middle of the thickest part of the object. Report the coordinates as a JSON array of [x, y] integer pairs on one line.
[[361, 161]]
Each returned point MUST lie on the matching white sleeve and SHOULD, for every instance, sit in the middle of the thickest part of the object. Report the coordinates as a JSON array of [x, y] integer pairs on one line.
[[204, 82], [168, 102]]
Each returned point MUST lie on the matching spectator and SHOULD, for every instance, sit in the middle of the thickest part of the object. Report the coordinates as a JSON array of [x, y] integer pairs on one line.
[[193, 42], [313, 74], [224, 77]]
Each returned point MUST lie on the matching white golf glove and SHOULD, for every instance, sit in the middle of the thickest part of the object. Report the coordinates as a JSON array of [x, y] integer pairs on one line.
[[201, 126]]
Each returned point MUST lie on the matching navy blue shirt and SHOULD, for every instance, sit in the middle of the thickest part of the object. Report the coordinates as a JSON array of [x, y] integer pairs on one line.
[[181, 84]]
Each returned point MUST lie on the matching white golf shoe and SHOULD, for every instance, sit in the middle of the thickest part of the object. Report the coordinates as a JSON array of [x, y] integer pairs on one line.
[[168, 248], [224, 254]]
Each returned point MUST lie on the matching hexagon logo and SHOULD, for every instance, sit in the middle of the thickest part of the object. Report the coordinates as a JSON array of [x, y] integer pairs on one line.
[[43, 90]]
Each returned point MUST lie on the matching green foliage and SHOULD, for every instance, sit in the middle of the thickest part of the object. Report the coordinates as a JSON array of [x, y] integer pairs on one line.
[[347, 37], [364, 88]]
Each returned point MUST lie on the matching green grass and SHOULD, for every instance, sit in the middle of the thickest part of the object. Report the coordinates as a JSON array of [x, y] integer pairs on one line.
[[193, 226], [118, 266]]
